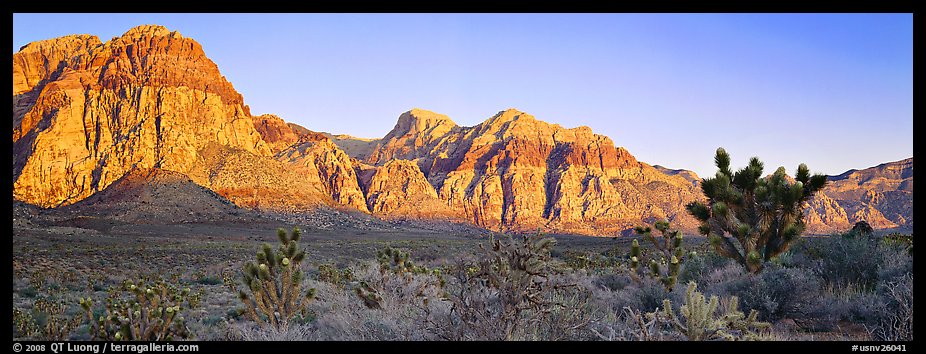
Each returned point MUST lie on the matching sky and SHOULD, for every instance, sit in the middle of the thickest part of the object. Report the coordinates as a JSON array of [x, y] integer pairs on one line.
[[834, 91]]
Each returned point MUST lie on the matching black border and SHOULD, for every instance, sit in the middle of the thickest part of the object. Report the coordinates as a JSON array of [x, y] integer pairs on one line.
[[639, 6]]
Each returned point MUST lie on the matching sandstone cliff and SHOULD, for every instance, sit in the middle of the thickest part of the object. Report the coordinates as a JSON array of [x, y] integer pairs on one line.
[[150, 98], [516, 172], [399, 189], [359, 148], [86, 113]]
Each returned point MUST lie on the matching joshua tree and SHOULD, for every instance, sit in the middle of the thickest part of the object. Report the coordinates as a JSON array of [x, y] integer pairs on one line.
[[275, 283], [762, 214], [670, 249], [150, 312]]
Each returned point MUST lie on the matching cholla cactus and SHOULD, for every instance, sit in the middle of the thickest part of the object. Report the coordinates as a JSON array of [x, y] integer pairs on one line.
[[150, 312], [275, 283], [763, 215], [392, 263], [700, 319], [370, 297], [23, 324], [669, 249], [398, 262], [394, 260], [58, 326]]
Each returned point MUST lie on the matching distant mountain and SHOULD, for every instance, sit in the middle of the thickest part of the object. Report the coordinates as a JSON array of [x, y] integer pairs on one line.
[[881, 195], [354, 146], [514, 171], [689, 176], [145, 123]]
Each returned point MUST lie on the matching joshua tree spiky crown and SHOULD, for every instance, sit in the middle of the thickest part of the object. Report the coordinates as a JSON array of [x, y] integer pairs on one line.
[[149, 312], [669, 248], [275, 282], [763, 215]]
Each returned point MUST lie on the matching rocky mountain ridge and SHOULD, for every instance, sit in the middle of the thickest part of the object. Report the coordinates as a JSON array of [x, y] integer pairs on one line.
[[88, 114]]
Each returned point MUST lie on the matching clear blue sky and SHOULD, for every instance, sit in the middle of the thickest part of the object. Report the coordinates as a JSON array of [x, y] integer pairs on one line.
[[832, 90]]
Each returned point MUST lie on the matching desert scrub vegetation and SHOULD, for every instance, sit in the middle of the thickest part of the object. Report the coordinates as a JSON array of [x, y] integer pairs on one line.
[[514, 287], [513, 290]]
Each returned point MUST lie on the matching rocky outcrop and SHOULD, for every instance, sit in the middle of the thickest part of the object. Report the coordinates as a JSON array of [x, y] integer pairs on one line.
[[399, 189], [142, 193], [689, 176], [322, 163], [259, 182], [516, 172], [147, 99], [278, 134], [37, 61], [416, 134]]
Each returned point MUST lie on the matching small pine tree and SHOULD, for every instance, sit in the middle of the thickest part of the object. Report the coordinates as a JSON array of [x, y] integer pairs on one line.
[[669, 248], [763, 215], [275, 283]]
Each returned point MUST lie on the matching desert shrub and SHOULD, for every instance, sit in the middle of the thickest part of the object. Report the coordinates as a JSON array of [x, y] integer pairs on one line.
[[896, 322], [776, 293], [649, 295], [897, 262], [330, 273], [900, 240], [586, 261], [849, 260], [209, 280], [212, 320], [251, 331], [839, 304], [139, 311], [699, 264], [405, 305], [612, 281], [28, 292], [514, 290]]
